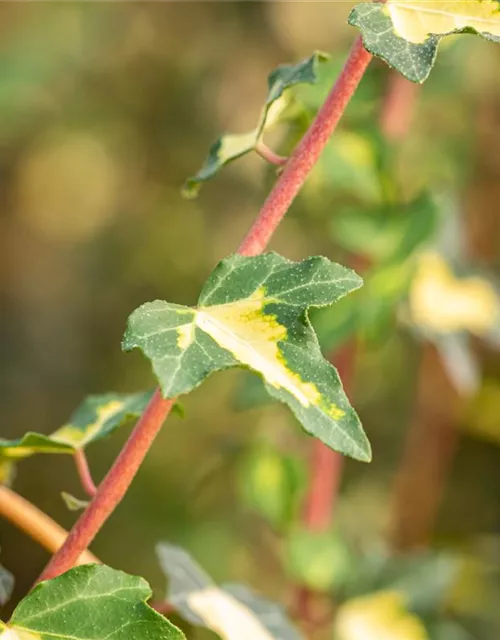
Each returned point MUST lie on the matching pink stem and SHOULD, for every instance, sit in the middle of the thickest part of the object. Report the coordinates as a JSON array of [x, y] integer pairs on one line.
[[82, 467], [269, 155], [307, 152], [115, 484]]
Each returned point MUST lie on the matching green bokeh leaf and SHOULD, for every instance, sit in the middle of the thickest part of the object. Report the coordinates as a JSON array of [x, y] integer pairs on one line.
[[406, 34], [320, 561], [90, 602], [232, 611], [97, 417], [252, 312], [232, 146], [271, 483]]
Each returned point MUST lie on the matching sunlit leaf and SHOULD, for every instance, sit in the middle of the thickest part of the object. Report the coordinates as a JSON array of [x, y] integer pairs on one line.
[[378, 615], [96, 418], [233, 612], [252, 312], [406, 34], [441, 303], [90, 602], [232, 146]]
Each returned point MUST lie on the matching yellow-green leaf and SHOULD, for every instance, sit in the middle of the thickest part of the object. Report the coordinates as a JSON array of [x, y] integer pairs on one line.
[[406, 34], [252, 312], [97, 417], [229, 147]]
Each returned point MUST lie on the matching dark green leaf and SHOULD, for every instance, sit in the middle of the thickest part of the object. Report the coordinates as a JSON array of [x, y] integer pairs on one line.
[[406, 34], [89, 602], [252, 312]]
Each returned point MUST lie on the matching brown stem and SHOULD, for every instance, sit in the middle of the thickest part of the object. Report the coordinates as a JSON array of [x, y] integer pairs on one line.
[[427, 458], [398, 107], [36, 524], [115, 484], [82, 467]]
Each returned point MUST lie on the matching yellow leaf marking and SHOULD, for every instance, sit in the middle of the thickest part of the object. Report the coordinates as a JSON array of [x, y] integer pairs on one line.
[[74, 437], [379, 615], [13, 633], [416, 20], [443, 303]]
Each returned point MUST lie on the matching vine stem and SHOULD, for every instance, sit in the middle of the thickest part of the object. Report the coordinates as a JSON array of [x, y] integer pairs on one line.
[[37, 524], [82, 467], [269, 155], [112, 489]]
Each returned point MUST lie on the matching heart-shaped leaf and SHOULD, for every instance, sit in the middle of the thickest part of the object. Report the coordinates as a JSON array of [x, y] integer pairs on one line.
[[252, 312], [406, 34], [232, 611], [90, 602], [232, 146], [95, 418]]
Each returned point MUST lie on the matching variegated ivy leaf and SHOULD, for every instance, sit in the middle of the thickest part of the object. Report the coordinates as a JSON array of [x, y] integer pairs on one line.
[[252, 312], [229, 147], [232, 611], [406, 34], [90, 602], [95, 418]]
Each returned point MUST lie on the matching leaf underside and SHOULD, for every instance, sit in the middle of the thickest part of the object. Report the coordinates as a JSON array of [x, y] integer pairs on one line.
[[232, 611], [252, 312], [89, 602], [97, 417], [406, 34], [229, 147]]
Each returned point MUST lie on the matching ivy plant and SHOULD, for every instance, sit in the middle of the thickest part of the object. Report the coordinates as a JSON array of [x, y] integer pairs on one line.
[[280, 320]]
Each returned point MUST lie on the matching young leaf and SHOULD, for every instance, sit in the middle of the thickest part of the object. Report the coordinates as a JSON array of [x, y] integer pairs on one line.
[[90, 602], [230, 147], [233, 612], [95, 418], [252, 312], [406, 34], [73, 503]]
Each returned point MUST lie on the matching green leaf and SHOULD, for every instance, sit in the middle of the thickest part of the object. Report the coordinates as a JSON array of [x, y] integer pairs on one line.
[[96, 418], [232, 146], [252, 312], [387, 235], [318, 560], [73, 503], [90, 602], [233, 611], [406, 34], [271, 483]]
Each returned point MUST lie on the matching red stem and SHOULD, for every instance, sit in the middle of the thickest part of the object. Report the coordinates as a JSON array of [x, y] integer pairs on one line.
[[398, 107], [269, 155], [82, 467], [115, 484], [307, 152]]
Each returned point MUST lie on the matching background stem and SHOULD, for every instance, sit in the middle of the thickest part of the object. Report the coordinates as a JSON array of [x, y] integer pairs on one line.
[[35, 523], [115, 484]]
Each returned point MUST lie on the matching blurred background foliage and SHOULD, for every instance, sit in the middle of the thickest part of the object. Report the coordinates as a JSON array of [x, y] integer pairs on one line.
[[105, 109]]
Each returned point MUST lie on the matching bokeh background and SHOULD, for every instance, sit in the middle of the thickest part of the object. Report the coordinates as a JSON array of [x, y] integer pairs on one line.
[[105, 109]]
